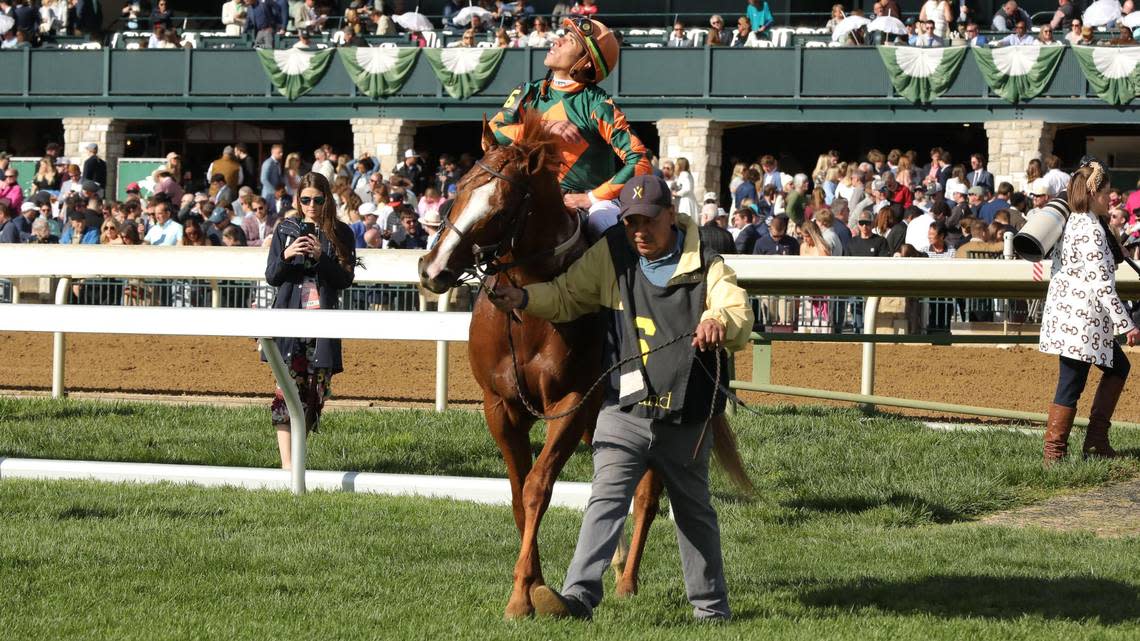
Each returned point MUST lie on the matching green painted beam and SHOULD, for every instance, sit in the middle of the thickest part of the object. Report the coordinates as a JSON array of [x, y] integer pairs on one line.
[[929, 406]]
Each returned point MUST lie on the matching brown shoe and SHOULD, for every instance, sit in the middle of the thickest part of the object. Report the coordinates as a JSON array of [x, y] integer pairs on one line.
[[1100, 418], [549, 603], [1057, 433]]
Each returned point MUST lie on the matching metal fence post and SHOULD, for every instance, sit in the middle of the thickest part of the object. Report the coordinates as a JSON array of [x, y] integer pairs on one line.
[[59, 343], [870, 321], [441, 349], [296, 411]]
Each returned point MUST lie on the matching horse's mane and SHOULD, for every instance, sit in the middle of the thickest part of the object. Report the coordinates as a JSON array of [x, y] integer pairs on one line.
[[536, 138]]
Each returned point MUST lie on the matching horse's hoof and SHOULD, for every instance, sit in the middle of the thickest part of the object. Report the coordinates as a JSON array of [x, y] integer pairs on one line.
[[518, 610], [625, 589]]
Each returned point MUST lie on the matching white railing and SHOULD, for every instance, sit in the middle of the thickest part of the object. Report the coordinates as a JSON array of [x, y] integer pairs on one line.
[[870, 277]]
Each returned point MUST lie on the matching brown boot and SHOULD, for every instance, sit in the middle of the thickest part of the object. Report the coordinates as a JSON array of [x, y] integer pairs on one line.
[[1057, 433], [1100, 417]]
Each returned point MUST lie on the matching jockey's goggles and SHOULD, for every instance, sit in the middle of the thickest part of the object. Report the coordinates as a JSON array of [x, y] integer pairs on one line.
[[583, 28]]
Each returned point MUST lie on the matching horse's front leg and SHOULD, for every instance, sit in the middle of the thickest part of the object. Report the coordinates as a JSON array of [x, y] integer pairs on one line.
[[511, 431], [562, 438]]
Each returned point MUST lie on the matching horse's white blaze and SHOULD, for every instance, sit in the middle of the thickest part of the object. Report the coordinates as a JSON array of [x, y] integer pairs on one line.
[[478, 207]]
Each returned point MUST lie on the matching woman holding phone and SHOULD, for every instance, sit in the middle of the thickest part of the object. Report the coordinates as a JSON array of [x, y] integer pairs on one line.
[[1082, 317], [312, 258]]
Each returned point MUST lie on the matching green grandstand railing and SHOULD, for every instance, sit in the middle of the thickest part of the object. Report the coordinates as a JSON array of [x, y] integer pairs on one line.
[[732, 85]]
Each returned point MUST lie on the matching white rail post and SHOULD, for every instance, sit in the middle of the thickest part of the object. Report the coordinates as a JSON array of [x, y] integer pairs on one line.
[[296, 410], [441, 349], [59, 343], [870, 322], [215, 294]]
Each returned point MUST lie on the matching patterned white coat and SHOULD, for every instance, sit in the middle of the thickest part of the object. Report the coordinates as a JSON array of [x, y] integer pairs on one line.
[[1083, 313]]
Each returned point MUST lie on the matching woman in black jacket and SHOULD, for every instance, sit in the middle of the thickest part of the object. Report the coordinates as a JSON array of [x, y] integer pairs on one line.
[[311, 259]]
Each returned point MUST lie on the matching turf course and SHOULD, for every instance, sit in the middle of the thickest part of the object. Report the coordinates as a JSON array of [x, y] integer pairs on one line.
[[861, 529]]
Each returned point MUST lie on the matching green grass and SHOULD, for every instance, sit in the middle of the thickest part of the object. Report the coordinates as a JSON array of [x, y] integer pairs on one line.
[[860, 529]]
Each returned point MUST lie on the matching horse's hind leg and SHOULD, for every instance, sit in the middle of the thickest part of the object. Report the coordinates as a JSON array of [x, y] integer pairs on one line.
[[562, 439], [511, 431], [646, 501]]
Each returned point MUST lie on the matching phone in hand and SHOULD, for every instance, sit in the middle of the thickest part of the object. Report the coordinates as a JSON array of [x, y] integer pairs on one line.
[[308, 229]]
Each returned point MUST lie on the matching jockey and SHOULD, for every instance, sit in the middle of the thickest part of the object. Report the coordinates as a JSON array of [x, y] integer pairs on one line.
[[600, 152]]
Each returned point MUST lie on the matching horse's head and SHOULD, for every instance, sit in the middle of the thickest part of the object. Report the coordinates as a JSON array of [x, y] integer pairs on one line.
[[490, 203]]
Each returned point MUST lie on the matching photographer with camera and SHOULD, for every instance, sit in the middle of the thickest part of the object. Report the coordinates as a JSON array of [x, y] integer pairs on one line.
[[311, 259]]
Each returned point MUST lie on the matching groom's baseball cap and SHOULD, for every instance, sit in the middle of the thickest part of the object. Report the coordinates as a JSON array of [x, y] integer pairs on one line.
[[645, 195]]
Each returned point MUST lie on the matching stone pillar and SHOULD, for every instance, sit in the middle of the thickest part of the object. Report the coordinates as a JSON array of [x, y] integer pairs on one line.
[[1012, 144], [699, 141], [384, 139], [108, 133]]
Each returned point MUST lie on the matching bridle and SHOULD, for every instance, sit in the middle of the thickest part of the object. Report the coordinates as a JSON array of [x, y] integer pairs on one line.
[[488, 258]]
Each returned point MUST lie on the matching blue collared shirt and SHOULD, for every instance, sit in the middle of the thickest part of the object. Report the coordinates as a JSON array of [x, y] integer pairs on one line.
[[661, 270]]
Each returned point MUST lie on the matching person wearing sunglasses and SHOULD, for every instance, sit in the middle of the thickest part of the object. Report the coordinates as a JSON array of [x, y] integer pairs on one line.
[[10, 189], [600, 152], [312, 258]]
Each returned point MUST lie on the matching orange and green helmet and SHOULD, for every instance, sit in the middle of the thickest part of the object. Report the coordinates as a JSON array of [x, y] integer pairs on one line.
[[601, 47]]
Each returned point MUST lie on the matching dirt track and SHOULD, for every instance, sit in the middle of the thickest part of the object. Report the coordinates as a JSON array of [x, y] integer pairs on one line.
[[389, 373]]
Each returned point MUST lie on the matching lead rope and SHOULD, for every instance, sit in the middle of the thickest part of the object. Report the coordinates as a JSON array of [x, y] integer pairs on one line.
[[577, 406]]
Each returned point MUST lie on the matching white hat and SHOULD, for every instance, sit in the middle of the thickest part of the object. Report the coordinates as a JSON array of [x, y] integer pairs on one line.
[[411, 153], [367, 209], [1039, 187], [28, 206], [431, 219], [956, 188], [709, 195]]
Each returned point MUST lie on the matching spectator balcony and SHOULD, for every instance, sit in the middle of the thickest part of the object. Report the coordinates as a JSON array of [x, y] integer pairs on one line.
[[797, 83]]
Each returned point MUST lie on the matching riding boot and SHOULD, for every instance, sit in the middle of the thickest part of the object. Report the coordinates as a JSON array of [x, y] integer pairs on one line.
[[1057, 433], [1100, 417]]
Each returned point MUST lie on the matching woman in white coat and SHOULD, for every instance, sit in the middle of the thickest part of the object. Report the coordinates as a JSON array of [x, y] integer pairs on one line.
[[1083, 315], [683, 184]]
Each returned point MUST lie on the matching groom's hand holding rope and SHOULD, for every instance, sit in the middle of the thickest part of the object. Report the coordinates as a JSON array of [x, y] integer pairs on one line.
[[507, 297], [709, 335]]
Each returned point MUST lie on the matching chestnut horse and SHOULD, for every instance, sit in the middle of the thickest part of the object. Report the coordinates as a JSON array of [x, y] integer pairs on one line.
[[509, 208]]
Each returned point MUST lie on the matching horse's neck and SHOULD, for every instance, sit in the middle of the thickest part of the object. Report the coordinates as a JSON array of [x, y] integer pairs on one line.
[[550, 224]]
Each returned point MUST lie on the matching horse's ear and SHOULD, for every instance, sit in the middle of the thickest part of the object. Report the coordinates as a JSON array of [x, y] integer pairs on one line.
[[488, 136], [536, 160]]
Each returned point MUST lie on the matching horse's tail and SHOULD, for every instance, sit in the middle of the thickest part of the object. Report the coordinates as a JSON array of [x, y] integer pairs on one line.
[[728, 455]]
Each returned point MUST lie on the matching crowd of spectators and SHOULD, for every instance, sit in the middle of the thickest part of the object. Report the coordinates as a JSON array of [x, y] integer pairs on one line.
[[240, 205], [884, 204], [944, 22], [515, 23], [896, 203]]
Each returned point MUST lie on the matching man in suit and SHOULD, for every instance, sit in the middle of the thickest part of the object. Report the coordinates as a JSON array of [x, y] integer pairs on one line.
[[259, 224], [938, 171], [978, 175], [95, 168], [712, 234], [677, 38], [222, 193], [973, 38], [750, 230], [248, 166], [272, 172]]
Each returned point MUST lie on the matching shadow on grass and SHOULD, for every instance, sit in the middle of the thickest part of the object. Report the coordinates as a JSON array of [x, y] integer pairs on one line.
[[77, 513], [859, 504], [1072, 598], [66, 411]]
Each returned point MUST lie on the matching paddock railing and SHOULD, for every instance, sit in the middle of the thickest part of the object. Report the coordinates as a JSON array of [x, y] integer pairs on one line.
[[764, 275]]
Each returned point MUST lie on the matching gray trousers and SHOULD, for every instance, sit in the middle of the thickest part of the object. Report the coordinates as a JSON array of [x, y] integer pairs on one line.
[[624, 446]]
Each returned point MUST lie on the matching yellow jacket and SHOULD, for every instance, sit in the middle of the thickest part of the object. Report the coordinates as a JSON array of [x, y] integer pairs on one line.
[[591, 284]]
